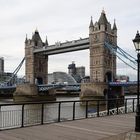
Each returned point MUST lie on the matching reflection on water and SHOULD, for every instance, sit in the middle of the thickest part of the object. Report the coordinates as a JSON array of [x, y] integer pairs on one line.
[[6, 101], [67, 98], [131, 96]]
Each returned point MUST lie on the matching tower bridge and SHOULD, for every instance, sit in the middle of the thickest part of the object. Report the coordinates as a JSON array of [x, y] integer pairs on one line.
[[102, 62], [102, 37]]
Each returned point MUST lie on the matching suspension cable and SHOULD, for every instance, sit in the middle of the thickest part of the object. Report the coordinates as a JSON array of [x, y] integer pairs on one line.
[[110, 47], [16, 71], [126, 53], [113, 50]]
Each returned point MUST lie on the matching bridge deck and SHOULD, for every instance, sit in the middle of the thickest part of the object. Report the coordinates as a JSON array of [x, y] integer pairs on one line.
[[103, 128]]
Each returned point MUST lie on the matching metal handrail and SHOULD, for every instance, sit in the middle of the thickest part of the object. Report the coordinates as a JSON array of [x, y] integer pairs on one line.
[[44, 111]]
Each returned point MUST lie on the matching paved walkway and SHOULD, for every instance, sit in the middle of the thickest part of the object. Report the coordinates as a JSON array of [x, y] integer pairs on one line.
[[118, 127]]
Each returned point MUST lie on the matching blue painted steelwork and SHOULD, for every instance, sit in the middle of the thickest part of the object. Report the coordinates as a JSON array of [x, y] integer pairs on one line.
[[124, 84], [7, 87], [56, 86], [49, 86]]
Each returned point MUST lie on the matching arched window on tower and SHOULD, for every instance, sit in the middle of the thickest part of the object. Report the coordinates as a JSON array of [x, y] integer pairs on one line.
[[40, 66], [108, 76], [36, 43]]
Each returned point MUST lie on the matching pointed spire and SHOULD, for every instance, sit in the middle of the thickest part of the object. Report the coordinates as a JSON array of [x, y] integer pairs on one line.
[[103, 19], [91, 23], [36, 30], [36, 36], [103, 11], [26, 39], [114, 25], [46, 42]]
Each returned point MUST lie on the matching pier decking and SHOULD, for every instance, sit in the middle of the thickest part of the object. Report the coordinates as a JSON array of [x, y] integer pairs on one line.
[[117, 127]]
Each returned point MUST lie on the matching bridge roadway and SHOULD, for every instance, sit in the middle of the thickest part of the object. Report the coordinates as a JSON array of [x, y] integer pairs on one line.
[[47, 87], [77, 85], [117, 127]]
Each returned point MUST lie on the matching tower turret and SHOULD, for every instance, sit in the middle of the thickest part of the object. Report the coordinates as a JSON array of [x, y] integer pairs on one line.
[[114, 25], [103, 21], [91, 26], [46, 42], [26, 39], [36, 39], [114, 29]]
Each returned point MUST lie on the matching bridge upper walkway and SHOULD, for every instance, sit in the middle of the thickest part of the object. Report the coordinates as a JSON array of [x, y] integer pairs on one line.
[[68, 46]]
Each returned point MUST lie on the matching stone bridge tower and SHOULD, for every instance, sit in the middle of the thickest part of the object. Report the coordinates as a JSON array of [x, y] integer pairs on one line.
[[102, 61], [36, 64]]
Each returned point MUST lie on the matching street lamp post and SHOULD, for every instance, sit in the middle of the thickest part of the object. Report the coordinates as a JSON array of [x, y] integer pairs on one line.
[[136, 42]]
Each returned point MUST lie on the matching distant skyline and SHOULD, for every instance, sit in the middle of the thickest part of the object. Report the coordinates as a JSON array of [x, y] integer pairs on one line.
[[63, 20]]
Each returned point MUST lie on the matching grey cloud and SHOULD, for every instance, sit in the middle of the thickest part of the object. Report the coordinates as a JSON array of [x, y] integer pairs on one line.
[[64, 20]]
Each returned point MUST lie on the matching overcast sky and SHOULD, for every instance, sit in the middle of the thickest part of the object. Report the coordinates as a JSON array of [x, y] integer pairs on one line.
[[62, 20]]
